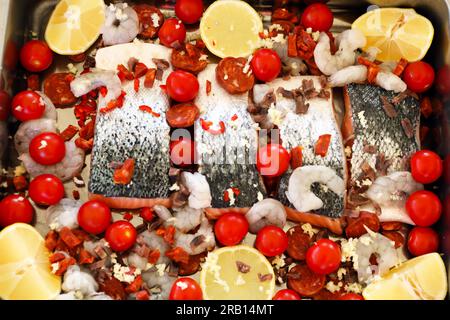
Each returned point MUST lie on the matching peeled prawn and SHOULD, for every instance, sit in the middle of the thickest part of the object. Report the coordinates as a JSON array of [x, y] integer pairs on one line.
[[184, 219], [29, 129], [299, 189], [69, 167], [266, 212], [199, 242], [348, 41], [97, 78], [121, 24], [160, 284], [50, 110], [200, 193], [77, 280], [63, 214], [347, 75], [390, 81]]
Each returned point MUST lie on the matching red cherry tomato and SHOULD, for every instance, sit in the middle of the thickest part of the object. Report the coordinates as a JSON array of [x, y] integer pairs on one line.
[[46, 189], [351, 296], [27, 105], [5, 102], [94, 216], [324, 256], [266, 64], [15, 208], [182, 152], [182, 86], [189, 11], [47, 148], [36, 56], [146, 214], [271, 241], [121, 235], [318, 17], [272, 160], [443, 80], [424, 208], [231, 228], [186, 289], [422, 241], [286, 294], [172, 31], [419, 76], [426, 166]]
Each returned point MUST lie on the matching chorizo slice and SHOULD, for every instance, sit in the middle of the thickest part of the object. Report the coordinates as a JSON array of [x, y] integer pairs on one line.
[[150, 20], [192, 266], [298, 243], [304, 281], [182, 115], [234, 75], [189, 58], [57, 88], [356, 228], [391, 226]]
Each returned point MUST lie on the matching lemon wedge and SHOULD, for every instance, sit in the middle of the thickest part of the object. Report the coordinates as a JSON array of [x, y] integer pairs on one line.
[[25, 271], [230, 28], [397, 33], [75, 25], [237, 273], [421, 278]]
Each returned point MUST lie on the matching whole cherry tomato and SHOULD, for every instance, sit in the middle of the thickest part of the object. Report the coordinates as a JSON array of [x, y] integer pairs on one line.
[[426, 166], [324, 256], [147, 214], [318, 17], [94, 216], [286, 294], [186, 289], [182, 152], [36, 56], [266, 64], [272, 160], [46, 189], [182, 86], [47, 148], [5, 102], [271, 241], [443, 80], [424, 208], [419, 76], [172, 31], [231, 228], [27, 105], [189, 11], [422, 241], [121, 235], [15, 208], [351, 296]]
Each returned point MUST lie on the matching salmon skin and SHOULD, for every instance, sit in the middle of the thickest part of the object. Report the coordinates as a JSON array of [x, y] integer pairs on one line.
[[227, 158], [128, 132]]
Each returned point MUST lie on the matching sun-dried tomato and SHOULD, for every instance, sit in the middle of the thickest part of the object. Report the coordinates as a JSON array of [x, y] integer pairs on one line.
[[84, 144], [426, 109], [20, 183], [81, 234], [296, 157], [208, 87], [69, 132], [33, 82], [51, 240], [167, 234], [322, 144], [292, 45], [135, 285], [124, 174], [149, 110], [142, 295], [69, 238], [85, 257], [401, 65], [178, 254], [150, 76], [124, 73], [63, 265], [153, 257], [140, 70], [87, 131], [305, 44], [56, 256], [112, 287]]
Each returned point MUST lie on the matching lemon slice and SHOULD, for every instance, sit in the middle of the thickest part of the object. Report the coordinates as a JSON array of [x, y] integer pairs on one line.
[[24, 265], [230, 28], [75, 25], [220, 278], [397, 33], [421, 278]]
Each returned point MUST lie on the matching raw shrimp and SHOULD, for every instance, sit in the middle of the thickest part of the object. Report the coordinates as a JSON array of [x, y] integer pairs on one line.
[[299, 190], [69, 167], [154, 242], [159, 282], [162, 212], [199, 242], [266, 212], [29, 129], [137, 261], [390, 81], [383, 248], [77, 280], [95, 79], [390, 193], [121, 24], [184, 219], [348, 41], [200, 193], [347, 75], [50, 110], [63, 214]]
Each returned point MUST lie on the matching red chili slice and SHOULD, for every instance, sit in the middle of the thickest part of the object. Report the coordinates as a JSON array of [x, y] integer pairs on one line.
[[303, 281], [149, 110], [322, 144], [292, 45], [206, 125], [298, 243], [124, 174], [208, 87]]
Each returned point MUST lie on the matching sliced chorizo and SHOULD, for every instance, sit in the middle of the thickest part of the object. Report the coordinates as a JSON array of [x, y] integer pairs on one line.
[[234, 75], [189, 58], [182, 115], [356, 227], [150, 20], [304, 281], [57, 88], [391, 225], [298, 243], [193, 265]]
